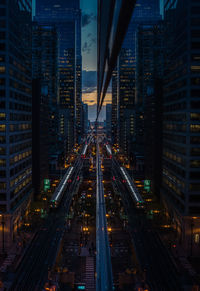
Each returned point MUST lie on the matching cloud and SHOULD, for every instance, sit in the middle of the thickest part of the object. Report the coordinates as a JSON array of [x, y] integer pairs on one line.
[[90, 98], [94, 40], [89, 80], [88, 18], [89, 92], [86, 48], [89, 44], [89, 89]]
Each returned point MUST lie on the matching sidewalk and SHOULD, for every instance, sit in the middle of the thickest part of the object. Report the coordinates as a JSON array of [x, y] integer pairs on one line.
[[16, 254], [179, 257]]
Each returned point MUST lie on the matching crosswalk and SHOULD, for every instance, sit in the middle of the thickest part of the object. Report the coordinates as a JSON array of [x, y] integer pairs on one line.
[[89, 276]]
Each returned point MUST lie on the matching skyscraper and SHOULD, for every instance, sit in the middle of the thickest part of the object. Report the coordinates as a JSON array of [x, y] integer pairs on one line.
[[148, 101], [45, 100], [15, 116], [66, 16], [144, 12], [85, 118], [115, 109], [181, 127], [108, 119], [113, 20]]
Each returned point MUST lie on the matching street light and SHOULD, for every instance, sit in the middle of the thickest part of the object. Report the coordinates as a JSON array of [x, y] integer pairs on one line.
[[3, 224], [191, 242]]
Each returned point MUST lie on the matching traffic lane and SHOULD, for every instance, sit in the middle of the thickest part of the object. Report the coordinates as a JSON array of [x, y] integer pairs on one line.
[[146, 259], [150, 254], [138, 221], [43, 247], [34, 259], [41, 275], [156, 271], [28, 258]]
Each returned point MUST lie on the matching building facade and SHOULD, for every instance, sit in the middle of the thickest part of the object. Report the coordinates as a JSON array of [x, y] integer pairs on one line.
[[124, 83], [149, 98], [66, 16], [85, 118], [40, 136], [15, 116], [115, 109], [181, 126], [45, 100], [108, 120]]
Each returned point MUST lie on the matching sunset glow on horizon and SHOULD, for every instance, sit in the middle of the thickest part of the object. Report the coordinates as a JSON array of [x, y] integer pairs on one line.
[[90, 98]]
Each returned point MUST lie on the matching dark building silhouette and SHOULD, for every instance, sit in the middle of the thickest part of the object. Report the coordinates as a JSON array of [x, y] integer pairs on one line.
[[181, 125], [15, 117], [124, 79], [108, 120], [45, 101], [85, 118], [115, 109], [149, 98], [40, 135]]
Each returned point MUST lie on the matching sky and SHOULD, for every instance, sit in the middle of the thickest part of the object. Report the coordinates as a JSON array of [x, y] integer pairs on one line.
[[89, 55], [89, 34]]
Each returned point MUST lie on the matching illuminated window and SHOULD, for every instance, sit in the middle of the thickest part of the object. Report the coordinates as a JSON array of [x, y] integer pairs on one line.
[[195, 116], [2, 127], [2, 116], [195, 68], [196, 238], [195, 127], [2, 69]]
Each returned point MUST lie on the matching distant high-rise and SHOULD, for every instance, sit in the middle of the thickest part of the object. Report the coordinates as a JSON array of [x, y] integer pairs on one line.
[[108, 119], [15, 116], [181, 126], [66, 16], [146, 10], [115, 109], [85, 118]]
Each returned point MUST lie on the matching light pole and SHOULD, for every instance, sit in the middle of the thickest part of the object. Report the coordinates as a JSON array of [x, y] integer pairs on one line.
[[3, 224], [191, 242]]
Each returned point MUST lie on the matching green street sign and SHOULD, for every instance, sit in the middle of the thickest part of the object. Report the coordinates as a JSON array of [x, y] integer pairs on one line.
[[147, 185], [46, 184], [81, 287], [147, 182]]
